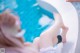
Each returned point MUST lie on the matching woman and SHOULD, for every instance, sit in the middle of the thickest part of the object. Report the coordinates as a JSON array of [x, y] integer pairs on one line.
[[11, 36]]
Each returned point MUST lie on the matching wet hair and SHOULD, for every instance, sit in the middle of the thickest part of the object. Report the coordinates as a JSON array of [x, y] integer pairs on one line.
[[7, 19]]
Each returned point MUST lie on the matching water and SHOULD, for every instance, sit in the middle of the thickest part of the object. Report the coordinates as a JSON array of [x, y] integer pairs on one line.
[[34, 19]]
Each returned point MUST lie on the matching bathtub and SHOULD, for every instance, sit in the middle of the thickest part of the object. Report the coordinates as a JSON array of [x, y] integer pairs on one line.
[[70, 18]]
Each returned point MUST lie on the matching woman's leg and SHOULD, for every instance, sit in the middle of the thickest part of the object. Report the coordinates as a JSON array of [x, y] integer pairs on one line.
[[63, 34], [46, 38], [54, 41]]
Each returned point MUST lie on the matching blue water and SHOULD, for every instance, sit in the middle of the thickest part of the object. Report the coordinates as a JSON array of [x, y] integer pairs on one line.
[[30, 13]]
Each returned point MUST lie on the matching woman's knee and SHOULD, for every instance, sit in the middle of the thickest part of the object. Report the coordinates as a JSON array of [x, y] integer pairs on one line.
[[36, 40]]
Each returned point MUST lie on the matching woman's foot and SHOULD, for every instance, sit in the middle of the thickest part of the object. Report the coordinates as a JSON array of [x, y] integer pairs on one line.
[[64, 32], [59, 22]]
